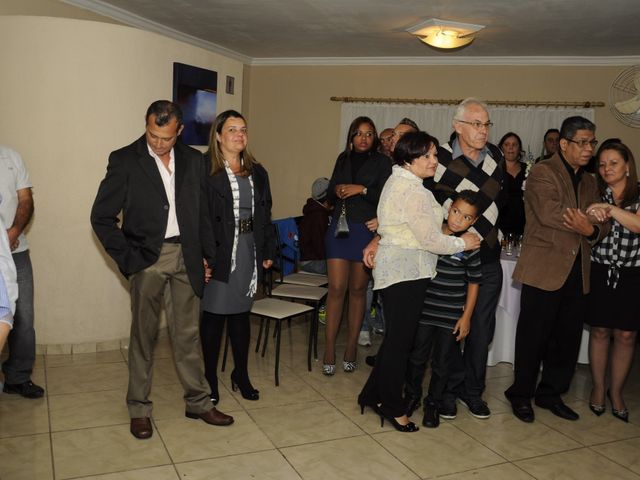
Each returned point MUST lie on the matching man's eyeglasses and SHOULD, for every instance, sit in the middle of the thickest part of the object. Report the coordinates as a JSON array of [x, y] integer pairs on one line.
[[476, 124], [583, 143]]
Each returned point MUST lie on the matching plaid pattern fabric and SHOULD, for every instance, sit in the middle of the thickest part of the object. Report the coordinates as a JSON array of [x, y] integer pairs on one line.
[[621, 248], [457, 174]]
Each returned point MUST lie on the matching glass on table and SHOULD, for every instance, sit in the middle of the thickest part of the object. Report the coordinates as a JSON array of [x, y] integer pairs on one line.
[[517, 244], [509, 244]]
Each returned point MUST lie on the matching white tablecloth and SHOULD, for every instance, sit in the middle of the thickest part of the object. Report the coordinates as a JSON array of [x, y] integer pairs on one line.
[[504, 339]]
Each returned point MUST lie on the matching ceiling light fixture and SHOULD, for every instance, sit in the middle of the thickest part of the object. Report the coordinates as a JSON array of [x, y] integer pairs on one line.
[[444, 34]]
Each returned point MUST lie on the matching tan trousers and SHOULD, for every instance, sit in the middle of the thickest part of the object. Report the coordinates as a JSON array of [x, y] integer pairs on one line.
[[165, 280]]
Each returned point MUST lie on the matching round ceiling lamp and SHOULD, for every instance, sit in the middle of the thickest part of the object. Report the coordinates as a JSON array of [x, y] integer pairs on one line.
[[443, 34]]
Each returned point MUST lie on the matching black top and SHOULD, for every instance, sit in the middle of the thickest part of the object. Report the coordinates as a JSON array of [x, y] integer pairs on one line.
[[373, 174], [576, 176], [357, 160], [512, 219]]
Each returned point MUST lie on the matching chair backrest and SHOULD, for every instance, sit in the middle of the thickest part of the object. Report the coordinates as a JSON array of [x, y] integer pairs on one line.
[[287, 250]]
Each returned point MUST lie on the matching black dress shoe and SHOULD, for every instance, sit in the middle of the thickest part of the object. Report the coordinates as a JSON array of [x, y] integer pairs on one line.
[[370, 360], [27, 389], [431, 417], [141, 428], [560, 410], [522, 410]]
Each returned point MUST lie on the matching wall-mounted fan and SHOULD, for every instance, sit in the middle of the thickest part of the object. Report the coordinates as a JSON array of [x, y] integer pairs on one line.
[[624, 97]]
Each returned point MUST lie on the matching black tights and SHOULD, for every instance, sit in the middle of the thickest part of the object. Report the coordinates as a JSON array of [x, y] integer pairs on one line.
[[211, 328]]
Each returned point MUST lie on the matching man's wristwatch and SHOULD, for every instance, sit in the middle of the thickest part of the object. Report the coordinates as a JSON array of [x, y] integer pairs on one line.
[[364, 191]]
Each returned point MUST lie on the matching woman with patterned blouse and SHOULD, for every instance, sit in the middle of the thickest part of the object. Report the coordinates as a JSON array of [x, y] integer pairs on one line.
[[615, 278]]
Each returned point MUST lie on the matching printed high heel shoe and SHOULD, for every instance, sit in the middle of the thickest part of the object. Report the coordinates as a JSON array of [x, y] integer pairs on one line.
[[622, 414], [597, 409], [329, 369], [349, 366], [247, 391]]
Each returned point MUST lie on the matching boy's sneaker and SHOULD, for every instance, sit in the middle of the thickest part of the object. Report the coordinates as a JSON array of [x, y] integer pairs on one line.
[[364, 339], [447, 409], [477, 407], [431, 418]]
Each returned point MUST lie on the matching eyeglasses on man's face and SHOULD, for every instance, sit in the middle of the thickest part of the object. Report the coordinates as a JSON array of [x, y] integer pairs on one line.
[[583, 143], [477, 124]]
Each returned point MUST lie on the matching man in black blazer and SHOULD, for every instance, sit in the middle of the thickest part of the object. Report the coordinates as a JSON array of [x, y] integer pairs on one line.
[[155, 184]]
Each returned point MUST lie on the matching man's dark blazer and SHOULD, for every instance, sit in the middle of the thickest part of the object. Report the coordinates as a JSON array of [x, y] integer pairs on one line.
[[218, 225], [133, 186]]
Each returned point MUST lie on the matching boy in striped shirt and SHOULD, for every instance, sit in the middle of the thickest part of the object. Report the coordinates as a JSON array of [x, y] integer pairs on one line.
[[446, 319]]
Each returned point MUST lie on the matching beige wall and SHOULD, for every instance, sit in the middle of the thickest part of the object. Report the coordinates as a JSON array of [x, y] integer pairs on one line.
[[72, 91], [294, 126]]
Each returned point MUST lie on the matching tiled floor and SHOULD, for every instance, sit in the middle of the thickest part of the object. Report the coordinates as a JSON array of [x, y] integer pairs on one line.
[[310, 427]]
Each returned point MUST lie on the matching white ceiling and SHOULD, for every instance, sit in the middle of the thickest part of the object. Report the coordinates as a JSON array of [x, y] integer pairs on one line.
[[257, 30]]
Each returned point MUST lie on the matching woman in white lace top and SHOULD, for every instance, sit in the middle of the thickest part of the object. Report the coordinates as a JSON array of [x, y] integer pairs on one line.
[[410, 226]]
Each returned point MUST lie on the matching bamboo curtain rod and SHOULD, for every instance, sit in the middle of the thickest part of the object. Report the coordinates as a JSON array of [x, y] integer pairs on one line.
[[511, 103]]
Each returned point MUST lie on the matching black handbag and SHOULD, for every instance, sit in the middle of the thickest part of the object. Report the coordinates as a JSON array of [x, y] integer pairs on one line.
[[342, 227]]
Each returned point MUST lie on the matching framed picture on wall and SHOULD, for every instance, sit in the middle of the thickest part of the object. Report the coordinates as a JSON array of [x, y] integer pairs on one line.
[[195, 90]]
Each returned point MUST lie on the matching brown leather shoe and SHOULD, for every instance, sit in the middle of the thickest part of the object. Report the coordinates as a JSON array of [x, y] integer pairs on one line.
[[141, 428], [212, 417]]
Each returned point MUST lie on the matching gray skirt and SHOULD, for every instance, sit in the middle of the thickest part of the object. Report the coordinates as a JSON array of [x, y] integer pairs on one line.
[[225, 298]]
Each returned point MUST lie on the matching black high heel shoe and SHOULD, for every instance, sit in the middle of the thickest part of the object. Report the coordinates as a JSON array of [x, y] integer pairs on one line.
[[247, 391], [408, 428], [620, 414]]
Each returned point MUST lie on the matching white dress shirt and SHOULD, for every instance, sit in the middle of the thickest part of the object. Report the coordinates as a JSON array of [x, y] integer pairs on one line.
[[169, 182]]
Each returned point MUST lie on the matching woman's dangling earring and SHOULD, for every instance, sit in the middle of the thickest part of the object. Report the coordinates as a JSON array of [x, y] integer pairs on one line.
[[627, 173]]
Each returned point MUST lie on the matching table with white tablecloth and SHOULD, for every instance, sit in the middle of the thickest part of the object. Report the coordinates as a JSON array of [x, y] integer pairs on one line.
[[504, 340]]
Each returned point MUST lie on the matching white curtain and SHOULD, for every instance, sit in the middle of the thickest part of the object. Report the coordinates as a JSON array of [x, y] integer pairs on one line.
[[529, 123]]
